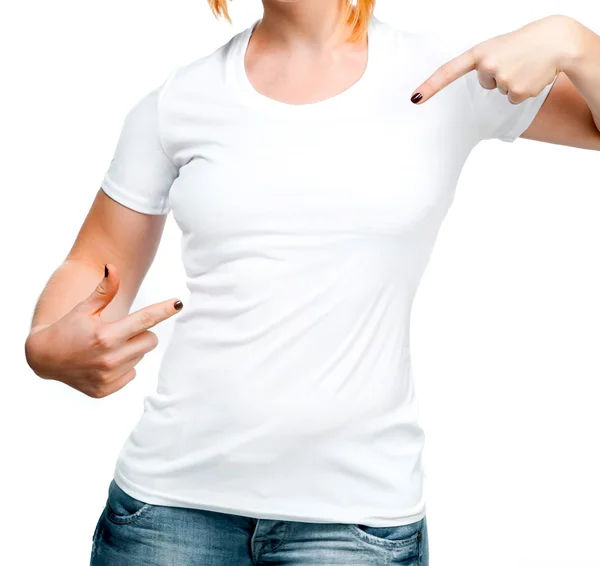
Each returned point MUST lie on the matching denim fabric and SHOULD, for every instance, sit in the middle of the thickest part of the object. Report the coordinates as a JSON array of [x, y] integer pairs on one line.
[[131, 532]]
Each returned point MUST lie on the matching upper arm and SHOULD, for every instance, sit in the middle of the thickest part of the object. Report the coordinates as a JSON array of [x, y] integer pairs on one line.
[[141, 173], [127, 218], [558, 114], [565, 118]]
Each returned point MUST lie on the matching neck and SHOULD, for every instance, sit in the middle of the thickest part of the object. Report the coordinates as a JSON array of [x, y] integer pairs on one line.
[[307, 23]]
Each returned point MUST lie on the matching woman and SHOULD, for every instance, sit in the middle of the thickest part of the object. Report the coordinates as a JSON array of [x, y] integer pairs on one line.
[[309, 178]]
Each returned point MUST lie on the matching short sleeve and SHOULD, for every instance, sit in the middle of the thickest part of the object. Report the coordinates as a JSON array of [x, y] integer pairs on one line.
[[140, 174], [494, 115]]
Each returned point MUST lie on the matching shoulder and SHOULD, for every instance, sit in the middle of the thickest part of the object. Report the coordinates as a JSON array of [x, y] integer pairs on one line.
[[429, 46], [208, 70], [210, 62], [439, 46], [417, 54]]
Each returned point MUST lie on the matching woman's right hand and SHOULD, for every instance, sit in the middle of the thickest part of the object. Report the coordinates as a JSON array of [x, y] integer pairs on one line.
[[89, 354]]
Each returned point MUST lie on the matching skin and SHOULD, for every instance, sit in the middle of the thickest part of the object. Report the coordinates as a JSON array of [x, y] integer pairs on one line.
[[293, 57], [82, 333], [522, 62]]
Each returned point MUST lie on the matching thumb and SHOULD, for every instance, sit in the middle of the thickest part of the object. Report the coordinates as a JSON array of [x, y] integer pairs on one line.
[[104, 292]]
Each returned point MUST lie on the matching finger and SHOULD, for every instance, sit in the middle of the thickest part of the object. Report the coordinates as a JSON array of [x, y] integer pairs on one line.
[[104, 292], [107, 389], [516, 98], [119, 355], [445, 75], [137, 346], [119, 371], [142, 320], [487, 80]]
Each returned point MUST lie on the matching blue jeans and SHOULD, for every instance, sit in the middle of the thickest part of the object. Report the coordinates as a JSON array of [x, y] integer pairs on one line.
[[131, 532]]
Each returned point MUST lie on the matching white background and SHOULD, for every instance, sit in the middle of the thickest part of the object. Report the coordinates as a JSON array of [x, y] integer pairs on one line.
[[505, 324]]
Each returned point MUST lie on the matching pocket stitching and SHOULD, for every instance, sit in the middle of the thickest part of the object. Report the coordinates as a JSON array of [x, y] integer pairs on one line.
[[385, 543], [126, 519], [119, 519]]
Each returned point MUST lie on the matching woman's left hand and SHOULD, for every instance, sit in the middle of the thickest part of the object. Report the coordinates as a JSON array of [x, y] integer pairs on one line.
[[519, 64]]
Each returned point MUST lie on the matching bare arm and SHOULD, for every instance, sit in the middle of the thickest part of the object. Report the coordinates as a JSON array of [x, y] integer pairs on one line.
[[563, 49], [570, 115], [111, 233], [82, 334]]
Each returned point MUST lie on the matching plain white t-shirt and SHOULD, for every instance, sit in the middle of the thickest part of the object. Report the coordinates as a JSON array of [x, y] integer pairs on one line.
[[286, 390]]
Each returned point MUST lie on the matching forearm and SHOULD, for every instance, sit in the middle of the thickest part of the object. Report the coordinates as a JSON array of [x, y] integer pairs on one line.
[[71, 283], [581, 63]]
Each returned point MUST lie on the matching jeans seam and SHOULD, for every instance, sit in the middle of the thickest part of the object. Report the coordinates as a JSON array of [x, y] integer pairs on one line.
[[284, 537], [97, 534]]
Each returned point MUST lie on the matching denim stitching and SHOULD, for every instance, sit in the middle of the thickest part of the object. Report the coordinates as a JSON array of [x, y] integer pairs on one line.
[[128, 519], [284, 537], [384, 543], [98, 532]]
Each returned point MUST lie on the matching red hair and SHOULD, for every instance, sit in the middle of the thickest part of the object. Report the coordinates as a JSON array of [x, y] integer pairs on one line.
[[356, 16]]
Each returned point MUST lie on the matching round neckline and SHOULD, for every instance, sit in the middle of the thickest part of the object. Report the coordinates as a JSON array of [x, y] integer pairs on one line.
[[259, 100]]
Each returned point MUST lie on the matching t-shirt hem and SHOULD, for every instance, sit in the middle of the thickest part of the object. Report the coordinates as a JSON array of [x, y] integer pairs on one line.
[[125, 198], [247, 511]]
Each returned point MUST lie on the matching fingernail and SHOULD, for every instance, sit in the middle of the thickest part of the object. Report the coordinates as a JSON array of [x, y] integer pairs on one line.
[[105, 270], [416, 97], [178, 305]]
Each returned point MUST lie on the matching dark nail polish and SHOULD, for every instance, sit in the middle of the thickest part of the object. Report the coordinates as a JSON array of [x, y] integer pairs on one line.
[[105, 270], [178, 305], [416, 97]]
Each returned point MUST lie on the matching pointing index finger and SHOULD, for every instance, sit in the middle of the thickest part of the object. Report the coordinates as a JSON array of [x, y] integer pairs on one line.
[[144, 319], [444, 75]]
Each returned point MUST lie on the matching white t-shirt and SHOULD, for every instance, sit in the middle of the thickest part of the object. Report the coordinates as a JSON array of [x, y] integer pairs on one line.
[[286, 390]]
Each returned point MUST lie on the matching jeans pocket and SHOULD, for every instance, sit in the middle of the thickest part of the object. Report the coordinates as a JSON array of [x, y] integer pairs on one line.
[[401, 537], [122, 508]]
